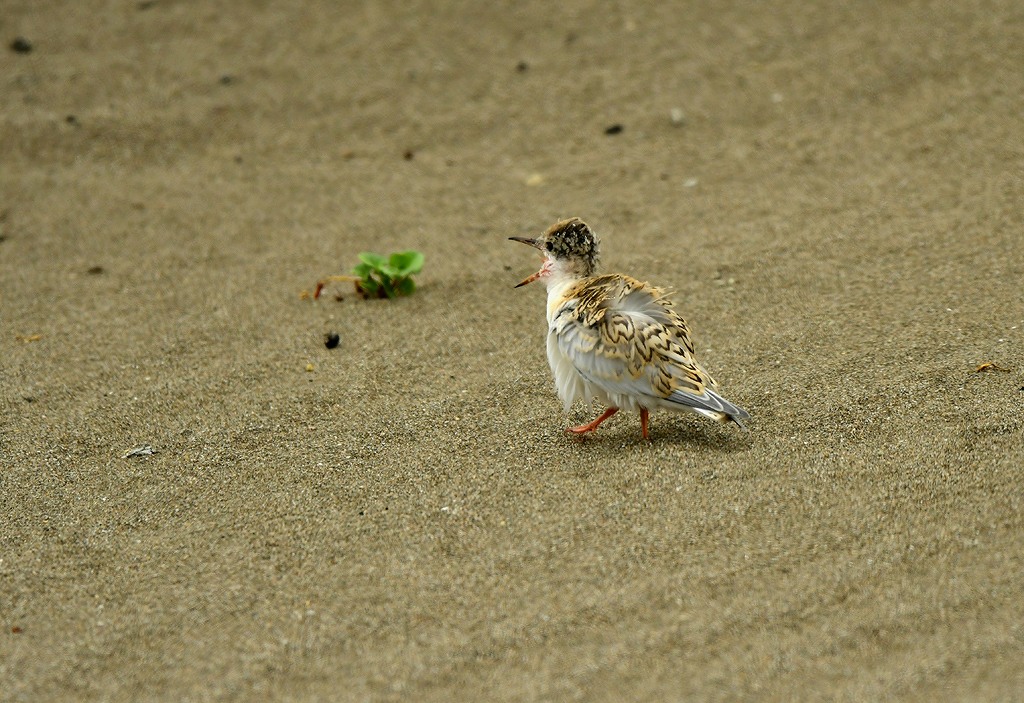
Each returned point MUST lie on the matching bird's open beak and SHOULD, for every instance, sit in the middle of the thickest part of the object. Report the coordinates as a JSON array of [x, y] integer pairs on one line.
[[526, 240], [529, 279], [536, 245]]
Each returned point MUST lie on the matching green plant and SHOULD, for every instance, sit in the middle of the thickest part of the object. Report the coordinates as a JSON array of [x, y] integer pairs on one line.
[[380, 277], [390, 277]]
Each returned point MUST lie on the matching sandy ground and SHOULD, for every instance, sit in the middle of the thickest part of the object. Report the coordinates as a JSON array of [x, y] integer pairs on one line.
[[837, 201]]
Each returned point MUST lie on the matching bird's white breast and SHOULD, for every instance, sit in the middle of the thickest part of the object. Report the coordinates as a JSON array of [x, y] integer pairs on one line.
[[568, 382]]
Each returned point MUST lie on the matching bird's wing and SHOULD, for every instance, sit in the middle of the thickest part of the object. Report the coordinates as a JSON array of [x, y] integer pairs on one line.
[[623, 336]]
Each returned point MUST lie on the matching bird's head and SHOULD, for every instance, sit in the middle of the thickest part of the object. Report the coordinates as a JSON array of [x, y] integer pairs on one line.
[[570, 248]]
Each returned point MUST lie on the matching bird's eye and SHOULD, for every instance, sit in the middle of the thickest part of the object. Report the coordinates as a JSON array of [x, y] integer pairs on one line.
[[549, 246]]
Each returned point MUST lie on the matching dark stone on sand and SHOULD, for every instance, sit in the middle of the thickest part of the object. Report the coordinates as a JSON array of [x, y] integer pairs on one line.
[[21, 45]]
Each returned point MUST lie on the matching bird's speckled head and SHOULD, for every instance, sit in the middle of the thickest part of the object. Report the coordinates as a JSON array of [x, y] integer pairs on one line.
[[572, 239], [570, 247]]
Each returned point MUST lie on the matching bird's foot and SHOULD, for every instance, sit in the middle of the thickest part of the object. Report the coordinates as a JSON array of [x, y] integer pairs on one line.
[[591, 426]]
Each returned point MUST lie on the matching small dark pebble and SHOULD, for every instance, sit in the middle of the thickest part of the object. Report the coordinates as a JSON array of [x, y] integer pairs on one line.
[[17, 630], [614, 129], [21, 45], [146, 4], [96, 270], [407, 155], [522, 66], [331, 340], [227, 80], [238, 159], [3, 237], [73, 121]]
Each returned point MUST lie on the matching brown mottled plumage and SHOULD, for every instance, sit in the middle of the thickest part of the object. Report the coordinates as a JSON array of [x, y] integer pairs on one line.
[[617, 339]]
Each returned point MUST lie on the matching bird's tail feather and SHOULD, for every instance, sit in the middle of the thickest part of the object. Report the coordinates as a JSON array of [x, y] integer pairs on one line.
[[712, 405]]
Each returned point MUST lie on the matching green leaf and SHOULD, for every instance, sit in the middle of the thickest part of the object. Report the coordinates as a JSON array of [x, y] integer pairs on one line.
[[405, 286], [389, 290], [389, 271], [375, 261], [362, 270], [399, 260], [370, 286], [407, 262]]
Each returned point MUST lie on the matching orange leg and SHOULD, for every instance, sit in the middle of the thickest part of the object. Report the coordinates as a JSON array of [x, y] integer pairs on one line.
[[644, 414], [591, 426]]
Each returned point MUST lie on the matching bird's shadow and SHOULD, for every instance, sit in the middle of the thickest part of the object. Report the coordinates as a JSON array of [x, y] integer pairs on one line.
[[674, 431], [703, 434]]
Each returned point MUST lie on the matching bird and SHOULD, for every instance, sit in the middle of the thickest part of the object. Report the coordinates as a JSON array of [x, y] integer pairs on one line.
[[617, 339]]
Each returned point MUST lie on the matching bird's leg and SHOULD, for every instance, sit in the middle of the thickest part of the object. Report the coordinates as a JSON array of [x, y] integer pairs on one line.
[[644, 414], [591, 426]]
